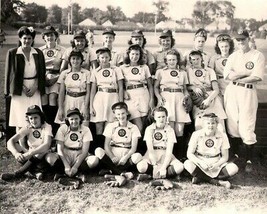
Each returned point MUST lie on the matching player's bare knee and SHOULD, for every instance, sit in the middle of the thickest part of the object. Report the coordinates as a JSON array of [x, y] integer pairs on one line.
[[232, 169], [99, 152], [51, 158], [92, 161], [142, 166], [136, 158], [178, 167], [189, 166]]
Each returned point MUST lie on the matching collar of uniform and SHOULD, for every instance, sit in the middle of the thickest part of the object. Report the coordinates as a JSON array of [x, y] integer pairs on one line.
[[160, 50], [153, 125], [100, 68], [217, 134], [19, 51]]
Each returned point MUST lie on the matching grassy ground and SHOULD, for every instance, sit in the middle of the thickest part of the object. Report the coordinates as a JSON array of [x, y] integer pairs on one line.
[[248, 194]]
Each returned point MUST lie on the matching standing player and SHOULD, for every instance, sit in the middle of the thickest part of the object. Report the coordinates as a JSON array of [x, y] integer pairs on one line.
[[208, 153], [244, 68], [34, 155], [223, 48], [106, 89], [199, 44], [2, 37], [159, 160], [53, 58], [108, 40]]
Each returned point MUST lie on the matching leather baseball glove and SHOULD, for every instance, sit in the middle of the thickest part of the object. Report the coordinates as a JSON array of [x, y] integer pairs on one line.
[[187, 103]]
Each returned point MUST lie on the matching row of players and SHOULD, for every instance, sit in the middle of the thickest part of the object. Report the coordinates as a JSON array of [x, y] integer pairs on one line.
[[207, 153]]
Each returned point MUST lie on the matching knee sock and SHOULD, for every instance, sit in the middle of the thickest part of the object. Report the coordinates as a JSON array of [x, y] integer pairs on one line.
[[234, 142], [24, 168], [180, 148], [223, 174], [170, 171], [107, 162], [52, 116], [141, 146], [200, 174], [249, 152], [149, 170], [46, 111], [58, 167]]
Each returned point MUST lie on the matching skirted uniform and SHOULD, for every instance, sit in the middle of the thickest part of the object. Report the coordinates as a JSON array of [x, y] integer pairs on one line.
[[172, 85]]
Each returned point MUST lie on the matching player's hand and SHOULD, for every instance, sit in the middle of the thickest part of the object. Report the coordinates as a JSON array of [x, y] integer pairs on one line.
[[85, 113], [115, 160], [123, 160], [68, 172], [126, 95], [19, 157], [161, 101], [198, 91], [205, 104], [27, 155], [153, 159], [92, 112], [162, 172], [204, 165], [213, 166], [151, 103]]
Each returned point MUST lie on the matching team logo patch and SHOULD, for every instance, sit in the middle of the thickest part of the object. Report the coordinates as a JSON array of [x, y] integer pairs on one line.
[[50, 53], [75, 76], [121, 132], [198, 73], [224, 62], [36, 134], [209, 143], [106, 73], [74, 137], [135, 71], [249, 65], [158, 136], [174, 73]]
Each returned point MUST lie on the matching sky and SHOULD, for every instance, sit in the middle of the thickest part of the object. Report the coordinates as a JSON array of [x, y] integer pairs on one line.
[[178, 9]]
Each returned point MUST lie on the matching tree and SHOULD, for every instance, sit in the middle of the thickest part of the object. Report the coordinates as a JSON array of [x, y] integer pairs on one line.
[[64, 16], [54, 14], [10, 10], [34, 13], [115, 14], [161, 8], [76, 18], [93, 13], [143, 17]]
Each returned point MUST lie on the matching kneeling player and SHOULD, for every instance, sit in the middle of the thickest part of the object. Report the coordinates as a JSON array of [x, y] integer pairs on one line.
[[208, 153]]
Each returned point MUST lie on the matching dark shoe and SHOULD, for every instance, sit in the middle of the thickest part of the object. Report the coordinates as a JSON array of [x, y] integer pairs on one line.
[[9, 176], [82, 177], [143, 177], [248, 167], [196, 180], [39, 176], [103, 172], [57, 176]]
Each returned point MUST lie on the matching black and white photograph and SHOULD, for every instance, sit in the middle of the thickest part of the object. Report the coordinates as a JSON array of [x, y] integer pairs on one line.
[[129, 106]]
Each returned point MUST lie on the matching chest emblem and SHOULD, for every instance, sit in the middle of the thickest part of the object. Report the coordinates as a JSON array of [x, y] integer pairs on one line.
[[36, 134], [105, 73], [174, 73], [50, 53], [224, 62], [135, 71], [198, 73], [74, 137], [75, 76], [158, 136], [209, 143], [249, 65], [121, 132]]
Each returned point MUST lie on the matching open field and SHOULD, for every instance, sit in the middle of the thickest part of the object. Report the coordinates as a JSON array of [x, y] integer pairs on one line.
[[248, 194]]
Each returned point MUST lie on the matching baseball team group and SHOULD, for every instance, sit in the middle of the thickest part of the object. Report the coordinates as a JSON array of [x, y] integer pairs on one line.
[[132, 114]]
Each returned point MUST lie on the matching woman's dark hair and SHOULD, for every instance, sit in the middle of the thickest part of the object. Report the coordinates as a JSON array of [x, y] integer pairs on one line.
[[26, 31], [72, 43], [172, 41], [134, 47], [225, 38], [76, 53], [173, 52], [194, 53], [144, 42], [42, 116], [99, 52], [81, 120]]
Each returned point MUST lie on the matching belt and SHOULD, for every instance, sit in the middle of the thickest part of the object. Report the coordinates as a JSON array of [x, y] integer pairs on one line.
[[208, 156], [159, 147], [219, 77], [52, 71], [30, 78], [129, 87], [246, 85], [109, 90], [172, 89], [76, 94], [74, 149], [126, 146]]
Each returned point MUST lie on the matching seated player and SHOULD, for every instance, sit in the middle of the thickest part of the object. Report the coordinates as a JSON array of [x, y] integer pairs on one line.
[[33, 155], [159, 161], [73, 142], [208, 153], [121, 138]]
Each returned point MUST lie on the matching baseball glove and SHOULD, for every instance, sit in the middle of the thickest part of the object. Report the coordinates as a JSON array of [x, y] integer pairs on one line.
[[162, 184], [187, 103], [197, 99], [69, 183]]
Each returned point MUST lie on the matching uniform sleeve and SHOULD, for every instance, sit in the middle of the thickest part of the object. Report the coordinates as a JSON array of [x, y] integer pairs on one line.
[[158, 75], [93, 77], [258, 70], [148, 134], [48, 130], [229, 65], [60, 135], [189, 75], [92, 53], [225, 143], [108, 130], [185, 76], [62, 77], [212, 74], [212, 62], [66, 54], [147, 72], [171, 135], [119, 74], [87, 137], [192, 145], [88, 76], [135, 132]]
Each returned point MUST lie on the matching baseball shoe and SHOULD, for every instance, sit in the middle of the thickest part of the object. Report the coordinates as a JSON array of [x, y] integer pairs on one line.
[[196, 180], [9, 176], [248, 167], [143, 177], [103, 172], [82, 177], [39, 176], [128, 175], [57, 176], [118, 182]]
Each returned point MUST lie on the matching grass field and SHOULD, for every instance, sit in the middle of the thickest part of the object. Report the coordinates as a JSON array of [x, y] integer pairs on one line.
[[248, 194]]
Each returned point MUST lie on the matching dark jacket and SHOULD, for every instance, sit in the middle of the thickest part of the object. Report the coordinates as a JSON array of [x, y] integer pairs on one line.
[[14, 72]]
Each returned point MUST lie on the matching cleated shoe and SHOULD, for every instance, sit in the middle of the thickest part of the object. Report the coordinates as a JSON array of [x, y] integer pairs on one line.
[[143, 177], [8, 176], [248, 167], [196, 180]]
